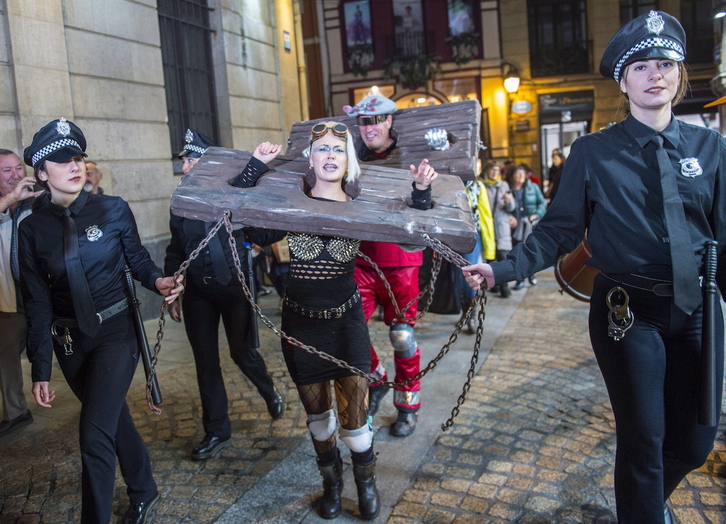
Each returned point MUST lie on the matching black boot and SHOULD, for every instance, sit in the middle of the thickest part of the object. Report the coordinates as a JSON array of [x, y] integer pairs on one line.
[[330, 505], [470, 327], [369, 503]]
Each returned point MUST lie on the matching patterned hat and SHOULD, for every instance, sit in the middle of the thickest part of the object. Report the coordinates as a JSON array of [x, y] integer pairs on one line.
[[57, 141], [195, 144], [655, 35], [372, 106]]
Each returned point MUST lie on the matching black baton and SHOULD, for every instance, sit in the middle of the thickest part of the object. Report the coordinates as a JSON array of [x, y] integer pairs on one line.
[[142, 341], [254, 331], [708, 410]]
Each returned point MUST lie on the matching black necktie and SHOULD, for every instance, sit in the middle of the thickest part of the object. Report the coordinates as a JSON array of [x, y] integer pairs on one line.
[[222, 274], [686, 284], [80, 294]]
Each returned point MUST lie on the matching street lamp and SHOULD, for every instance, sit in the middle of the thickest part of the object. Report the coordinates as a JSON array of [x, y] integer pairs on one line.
[[720, 11], [511, 86]]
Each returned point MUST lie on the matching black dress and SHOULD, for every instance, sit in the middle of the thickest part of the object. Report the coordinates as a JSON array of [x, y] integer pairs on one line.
[[321, 279]]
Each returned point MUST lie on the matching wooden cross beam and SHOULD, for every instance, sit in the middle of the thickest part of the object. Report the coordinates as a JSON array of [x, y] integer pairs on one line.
[[379, 212]]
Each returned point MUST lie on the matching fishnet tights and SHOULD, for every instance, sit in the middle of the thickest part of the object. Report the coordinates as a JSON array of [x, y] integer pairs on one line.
[[351, 394]]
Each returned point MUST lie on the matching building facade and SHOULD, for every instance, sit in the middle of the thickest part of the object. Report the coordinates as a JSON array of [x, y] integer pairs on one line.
[[418, 53], [134, 74]]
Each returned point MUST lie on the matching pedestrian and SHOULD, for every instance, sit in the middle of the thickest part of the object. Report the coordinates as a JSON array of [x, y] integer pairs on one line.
[[554, 175], [374, 115], [73, 250], [16, 198], [322, 308], [650, 192], [502, 204], [529, 208], [213, 291], [93, 178]]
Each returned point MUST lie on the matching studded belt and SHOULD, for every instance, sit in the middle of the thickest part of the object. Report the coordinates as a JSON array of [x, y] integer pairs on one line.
[[325, 314], [661, 288]]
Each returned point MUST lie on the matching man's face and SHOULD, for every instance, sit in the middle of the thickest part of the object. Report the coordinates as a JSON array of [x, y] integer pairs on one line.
[[93, 175], [377, 137], [11, 172]]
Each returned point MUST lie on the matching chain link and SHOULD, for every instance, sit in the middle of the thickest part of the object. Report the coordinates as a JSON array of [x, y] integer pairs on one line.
[[435, 244]]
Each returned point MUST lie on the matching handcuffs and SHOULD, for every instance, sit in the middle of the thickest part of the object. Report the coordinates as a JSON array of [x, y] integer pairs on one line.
[[63, 338], [620, 318]]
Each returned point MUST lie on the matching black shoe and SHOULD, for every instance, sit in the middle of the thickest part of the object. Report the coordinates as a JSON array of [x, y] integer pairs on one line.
[[533, 280], [369, 502], [375, 395], [519, 285], [137, 513], [405, 424], [210, 446], [8, 426], [275, 406], [330, 505], [505, 292]]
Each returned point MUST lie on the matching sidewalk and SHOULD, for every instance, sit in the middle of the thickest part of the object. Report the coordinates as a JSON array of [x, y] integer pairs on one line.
[[533, 442]]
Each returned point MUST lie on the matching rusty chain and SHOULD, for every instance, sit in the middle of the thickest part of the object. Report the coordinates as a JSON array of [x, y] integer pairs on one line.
[[435, 244]]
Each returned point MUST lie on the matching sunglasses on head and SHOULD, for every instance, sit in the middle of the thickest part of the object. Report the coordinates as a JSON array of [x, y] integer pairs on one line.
[[370, 120], [339, 129]]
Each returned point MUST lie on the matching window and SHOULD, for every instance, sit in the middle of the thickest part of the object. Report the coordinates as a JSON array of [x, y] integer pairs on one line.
[[697, 20], [188, 69], [630, 9], [558, 37]]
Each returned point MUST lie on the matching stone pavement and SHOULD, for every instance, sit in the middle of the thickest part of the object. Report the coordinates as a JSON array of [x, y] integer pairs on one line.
[[533, 442]]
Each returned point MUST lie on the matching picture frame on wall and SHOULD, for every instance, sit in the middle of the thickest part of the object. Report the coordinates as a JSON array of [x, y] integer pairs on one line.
[[357, 16]]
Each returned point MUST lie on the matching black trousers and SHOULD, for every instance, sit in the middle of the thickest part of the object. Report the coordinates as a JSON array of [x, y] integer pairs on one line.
[[652, 380], [99, 371], [203, 305]]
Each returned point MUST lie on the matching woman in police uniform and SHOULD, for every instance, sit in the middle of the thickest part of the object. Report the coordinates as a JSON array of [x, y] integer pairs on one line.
[[95, 342], [613, 187]]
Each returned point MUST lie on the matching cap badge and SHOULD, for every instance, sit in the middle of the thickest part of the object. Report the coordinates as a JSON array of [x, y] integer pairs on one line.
[[655, 23], [63, 127], [189, 137], [690, 167], [93, 233]]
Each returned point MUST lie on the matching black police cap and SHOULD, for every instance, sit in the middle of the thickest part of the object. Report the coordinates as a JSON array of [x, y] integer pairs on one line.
[[195, 144], [655, 35], [57, 141]]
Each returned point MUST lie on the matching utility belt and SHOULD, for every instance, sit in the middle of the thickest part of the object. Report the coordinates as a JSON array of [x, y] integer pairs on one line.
[[659, 287], [325, 314], [59, 328]]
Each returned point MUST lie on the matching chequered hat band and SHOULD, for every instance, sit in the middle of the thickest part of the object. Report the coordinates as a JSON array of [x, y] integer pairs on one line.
[[645, 44], [52, 147], [195, 149]]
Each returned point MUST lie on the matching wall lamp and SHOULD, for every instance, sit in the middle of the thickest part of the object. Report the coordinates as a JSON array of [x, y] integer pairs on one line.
[[720, 11], [511, 78]]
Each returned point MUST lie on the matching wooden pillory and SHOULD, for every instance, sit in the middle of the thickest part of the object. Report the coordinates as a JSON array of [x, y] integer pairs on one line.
[[379, 211]]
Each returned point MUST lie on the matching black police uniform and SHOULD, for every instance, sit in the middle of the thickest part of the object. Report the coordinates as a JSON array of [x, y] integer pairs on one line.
[[610, 186], [209, 295], [100, 368]]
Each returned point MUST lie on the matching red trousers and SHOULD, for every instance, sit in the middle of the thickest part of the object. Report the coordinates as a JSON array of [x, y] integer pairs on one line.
[[373, 292]]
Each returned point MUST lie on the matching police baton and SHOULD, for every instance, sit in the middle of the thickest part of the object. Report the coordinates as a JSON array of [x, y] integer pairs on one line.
[[152, 385], [710, 386]]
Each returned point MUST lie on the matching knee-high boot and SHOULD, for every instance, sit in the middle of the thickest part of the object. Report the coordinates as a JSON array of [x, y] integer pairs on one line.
[[330, 503], [369, 503]]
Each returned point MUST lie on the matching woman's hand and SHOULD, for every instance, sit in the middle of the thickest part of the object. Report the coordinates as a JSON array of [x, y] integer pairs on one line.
[[170, 288], [423, 175], [43, 397], [265, 152], [477, 275]]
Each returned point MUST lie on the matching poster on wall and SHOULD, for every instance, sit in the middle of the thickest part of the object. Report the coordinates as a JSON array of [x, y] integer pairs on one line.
[[461, 17], [358, 23], [408, 19]]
